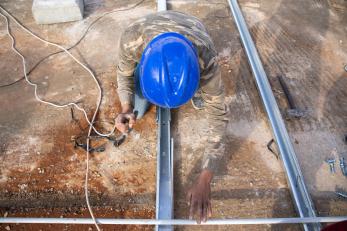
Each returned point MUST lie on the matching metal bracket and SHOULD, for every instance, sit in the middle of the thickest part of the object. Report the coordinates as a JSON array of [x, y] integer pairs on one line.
[[164, 200]]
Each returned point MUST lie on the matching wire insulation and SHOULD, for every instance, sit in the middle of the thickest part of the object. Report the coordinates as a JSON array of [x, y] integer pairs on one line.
[[76, 43], [98, 103], [90, 122], [57, 105]]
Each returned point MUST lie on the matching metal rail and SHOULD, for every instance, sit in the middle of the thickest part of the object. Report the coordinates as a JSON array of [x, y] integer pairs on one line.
[[110, 221], [295, 178], [164, 195], [164, 201]]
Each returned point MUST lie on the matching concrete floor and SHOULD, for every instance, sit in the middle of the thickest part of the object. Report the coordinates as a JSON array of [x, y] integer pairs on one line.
[[41, 173]]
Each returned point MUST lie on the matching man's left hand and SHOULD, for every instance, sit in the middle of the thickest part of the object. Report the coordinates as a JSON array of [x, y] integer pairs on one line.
[[199, 197]]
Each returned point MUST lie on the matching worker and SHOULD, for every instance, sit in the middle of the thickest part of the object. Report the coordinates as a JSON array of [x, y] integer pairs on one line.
[[168, 59]]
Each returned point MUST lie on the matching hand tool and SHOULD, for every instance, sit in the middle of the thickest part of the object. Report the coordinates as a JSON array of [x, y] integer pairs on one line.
[[293, 111], [343, 166], [331, 163]]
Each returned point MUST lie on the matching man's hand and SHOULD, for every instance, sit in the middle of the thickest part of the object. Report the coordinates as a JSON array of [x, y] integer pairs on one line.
[[199, 197], [126, 119]]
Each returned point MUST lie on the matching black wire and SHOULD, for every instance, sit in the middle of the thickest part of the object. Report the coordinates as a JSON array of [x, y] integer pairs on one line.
[[73, 46]]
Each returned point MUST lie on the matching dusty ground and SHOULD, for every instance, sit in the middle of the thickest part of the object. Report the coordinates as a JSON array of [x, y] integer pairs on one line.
[[309, 50], [40, 169]]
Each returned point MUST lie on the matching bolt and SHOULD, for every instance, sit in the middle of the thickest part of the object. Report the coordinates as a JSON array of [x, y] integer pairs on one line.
[[331, 163], [342, 166], [341, 194]]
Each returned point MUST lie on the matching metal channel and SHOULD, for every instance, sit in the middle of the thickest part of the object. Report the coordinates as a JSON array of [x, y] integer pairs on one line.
[[111, 221], [164, 200], [295, 178]]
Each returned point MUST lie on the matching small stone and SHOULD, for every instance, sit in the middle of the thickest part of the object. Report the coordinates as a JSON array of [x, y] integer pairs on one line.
[[22, 186], [8, 227]]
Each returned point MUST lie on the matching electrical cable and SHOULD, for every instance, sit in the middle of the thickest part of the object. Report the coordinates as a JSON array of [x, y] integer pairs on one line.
[[90, 122], [57, 105], [35, 85], [75, 44]]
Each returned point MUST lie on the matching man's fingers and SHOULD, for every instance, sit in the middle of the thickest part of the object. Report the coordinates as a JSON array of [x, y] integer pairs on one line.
[[121, 127], [189, 197], [200, 212], [209, 207], [193, 208], [204, 211], [132, 119], [125, 121]]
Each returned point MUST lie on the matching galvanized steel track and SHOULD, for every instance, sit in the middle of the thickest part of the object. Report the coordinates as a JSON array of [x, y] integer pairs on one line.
[[164, 195], [302, 199]]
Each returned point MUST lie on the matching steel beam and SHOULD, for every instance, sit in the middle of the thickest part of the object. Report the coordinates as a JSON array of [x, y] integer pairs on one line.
[[295, 178], [164, 194], [111, 221], [164, 201]]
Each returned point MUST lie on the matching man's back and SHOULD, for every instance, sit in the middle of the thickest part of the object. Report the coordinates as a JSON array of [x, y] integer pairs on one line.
[[136, 37], [145, 38]]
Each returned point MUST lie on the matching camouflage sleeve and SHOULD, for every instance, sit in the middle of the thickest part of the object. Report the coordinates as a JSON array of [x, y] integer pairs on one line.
[[213, 96], [126, 66]]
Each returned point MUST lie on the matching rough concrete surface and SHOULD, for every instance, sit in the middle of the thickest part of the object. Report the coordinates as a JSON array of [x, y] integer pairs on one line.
[[42, 174], [57, 11]]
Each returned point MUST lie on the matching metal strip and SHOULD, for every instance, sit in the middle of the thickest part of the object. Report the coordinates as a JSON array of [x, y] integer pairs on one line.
[[164, 195], [295, 178], [164, 201], [111, 221]]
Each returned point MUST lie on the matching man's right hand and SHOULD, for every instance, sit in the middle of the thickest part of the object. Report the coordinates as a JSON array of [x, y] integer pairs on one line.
[[126, 119]]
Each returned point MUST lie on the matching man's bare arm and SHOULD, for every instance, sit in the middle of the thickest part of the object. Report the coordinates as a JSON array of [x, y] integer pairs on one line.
[[126, 85], [199, 196]]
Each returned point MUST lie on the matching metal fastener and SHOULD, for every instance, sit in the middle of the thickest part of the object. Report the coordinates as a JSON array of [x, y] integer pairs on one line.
[[331, 163], [343, 166], [341, 194]]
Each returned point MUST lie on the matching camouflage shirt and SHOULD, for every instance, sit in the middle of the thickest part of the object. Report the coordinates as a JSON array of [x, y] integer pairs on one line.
[[133, 42]]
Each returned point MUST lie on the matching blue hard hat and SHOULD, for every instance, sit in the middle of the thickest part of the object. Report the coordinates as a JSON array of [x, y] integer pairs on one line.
[[169, 70]]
